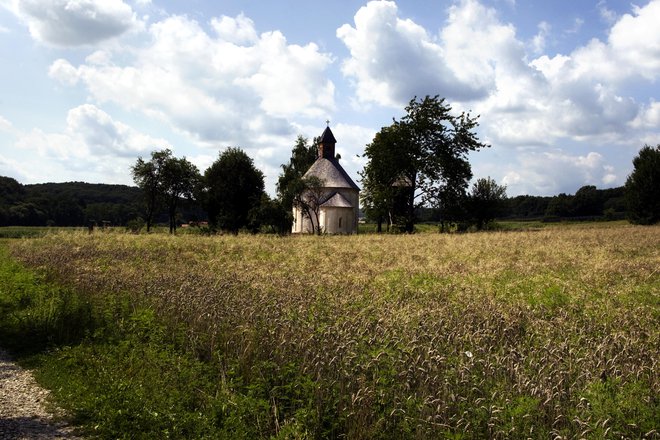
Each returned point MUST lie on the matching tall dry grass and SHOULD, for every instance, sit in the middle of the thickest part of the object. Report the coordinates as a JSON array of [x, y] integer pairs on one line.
[[550, 333]]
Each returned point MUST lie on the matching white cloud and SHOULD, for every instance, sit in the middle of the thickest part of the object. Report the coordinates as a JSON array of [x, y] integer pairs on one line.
[[393, 59], [102, 135], [539, 40], [574, 96], [92, 147], [75, 22], [239, 30], [554, 172], [478, 63], [5, 125], [218, 92], [648, 117], [577, 25], [19, 170], [632, 50], [635, 41], [606, 14]]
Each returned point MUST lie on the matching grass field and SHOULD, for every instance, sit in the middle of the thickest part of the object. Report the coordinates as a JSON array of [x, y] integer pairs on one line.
[[549, 333]]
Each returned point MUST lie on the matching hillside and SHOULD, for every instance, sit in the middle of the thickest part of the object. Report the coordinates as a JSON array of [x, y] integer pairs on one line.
[[66, 204]]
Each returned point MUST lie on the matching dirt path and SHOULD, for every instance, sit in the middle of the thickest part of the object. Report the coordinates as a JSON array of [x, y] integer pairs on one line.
[[23, 412]]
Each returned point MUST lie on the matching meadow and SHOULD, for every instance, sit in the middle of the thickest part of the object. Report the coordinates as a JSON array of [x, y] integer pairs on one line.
[[549, 333]]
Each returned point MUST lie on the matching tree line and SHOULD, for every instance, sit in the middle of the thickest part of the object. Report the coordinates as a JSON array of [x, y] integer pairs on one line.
[[66, 204], [417, 170]]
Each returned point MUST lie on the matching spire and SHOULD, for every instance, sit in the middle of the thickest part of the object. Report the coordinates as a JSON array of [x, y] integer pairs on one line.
[[327, 143]]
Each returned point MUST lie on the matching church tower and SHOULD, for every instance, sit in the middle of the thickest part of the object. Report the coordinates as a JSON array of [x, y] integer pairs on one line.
[[338, 207], [327, 144]]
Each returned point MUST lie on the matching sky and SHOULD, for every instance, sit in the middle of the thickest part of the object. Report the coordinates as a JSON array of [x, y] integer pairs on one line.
[[567, 92]]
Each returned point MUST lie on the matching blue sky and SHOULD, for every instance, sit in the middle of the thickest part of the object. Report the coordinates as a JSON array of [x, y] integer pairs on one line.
[[568, 91]]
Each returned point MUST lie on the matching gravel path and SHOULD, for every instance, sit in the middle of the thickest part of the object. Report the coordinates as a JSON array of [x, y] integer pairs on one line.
[[22, 406]]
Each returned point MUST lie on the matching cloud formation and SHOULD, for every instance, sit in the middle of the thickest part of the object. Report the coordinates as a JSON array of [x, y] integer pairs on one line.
[[393, 59], [479, 63], [92, 144], [230, 88], [554, 172], [75, 22]]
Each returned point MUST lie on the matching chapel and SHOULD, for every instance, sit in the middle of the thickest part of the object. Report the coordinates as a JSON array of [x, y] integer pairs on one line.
[[339, 204]]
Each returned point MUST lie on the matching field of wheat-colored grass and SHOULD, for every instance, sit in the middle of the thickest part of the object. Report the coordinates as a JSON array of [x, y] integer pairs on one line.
[[542, 334]]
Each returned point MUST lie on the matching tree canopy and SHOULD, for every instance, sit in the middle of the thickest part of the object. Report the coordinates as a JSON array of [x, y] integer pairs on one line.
[[165, 179], [303, 155], [487, 201], [424, 155], [233, 187], [147, 176], [643, 187]]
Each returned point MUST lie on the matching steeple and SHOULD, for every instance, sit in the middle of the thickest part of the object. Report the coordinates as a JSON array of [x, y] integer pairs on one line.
[[327, 143]]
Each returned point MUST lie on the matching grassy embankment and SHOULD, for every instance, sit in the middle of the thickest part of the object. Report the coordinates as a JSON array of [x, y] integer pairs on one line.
[[502, 335]]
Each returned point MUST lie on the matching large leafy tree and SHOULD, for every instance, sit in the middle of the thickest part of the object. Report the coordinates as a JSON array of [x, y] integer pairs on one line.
[[487, 201], [233, 187], [179, 179], [643, 187], [425, 152], [383, 184], [165, 179], [147, 175], [303, 156]]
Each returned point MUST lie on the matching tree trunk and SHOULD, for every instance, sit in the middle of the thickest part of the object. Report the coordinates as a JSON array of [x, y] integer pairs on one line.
[[410, 214], [172, 212]]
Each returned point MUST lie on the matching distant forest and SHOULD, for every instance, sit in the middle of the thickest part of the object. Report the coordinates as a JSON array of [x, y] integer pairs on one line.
[[75, 204], [79, 204]]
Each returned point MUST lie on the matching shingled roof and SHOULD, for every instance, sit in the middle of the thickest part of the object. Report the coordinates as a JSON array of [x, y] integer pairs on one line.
[[337, 201], [331, 173]]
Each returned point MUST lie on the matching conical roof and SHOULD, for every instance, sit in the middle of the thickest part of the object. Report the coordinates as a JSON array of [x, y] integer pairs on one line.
[[331, 173], [327, 137]]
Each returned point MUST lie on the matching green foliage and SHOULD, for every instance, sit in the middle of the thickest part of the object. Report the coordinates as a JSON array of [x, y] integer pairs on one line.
[[233, 187], [643, 187], [486, 201], [498, 335], [303, 156], [425, 153], [270, 216], [613, 408], [135, 225], [165, 179], [115, 367]]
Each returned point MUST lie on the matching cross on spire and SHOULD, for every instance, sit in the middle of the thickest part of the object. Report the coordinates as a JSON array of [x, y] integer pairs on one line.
[[327, 121]]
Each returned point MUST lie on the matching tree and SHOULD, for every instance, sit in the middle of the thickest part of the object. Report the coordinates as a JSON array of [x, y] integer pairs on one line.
[[233, 187], [559, 206], [427, 150], [383, 186], [303, 155], [165, 179], [147, 176], [270, 216], [179, 179], [11, 191], [643, 187], [487, 201], [309, 194]]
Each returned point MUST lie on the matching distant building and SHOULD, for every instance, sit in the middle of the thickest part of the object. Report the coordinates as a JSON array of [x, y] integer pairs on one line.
[[341, 196]]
